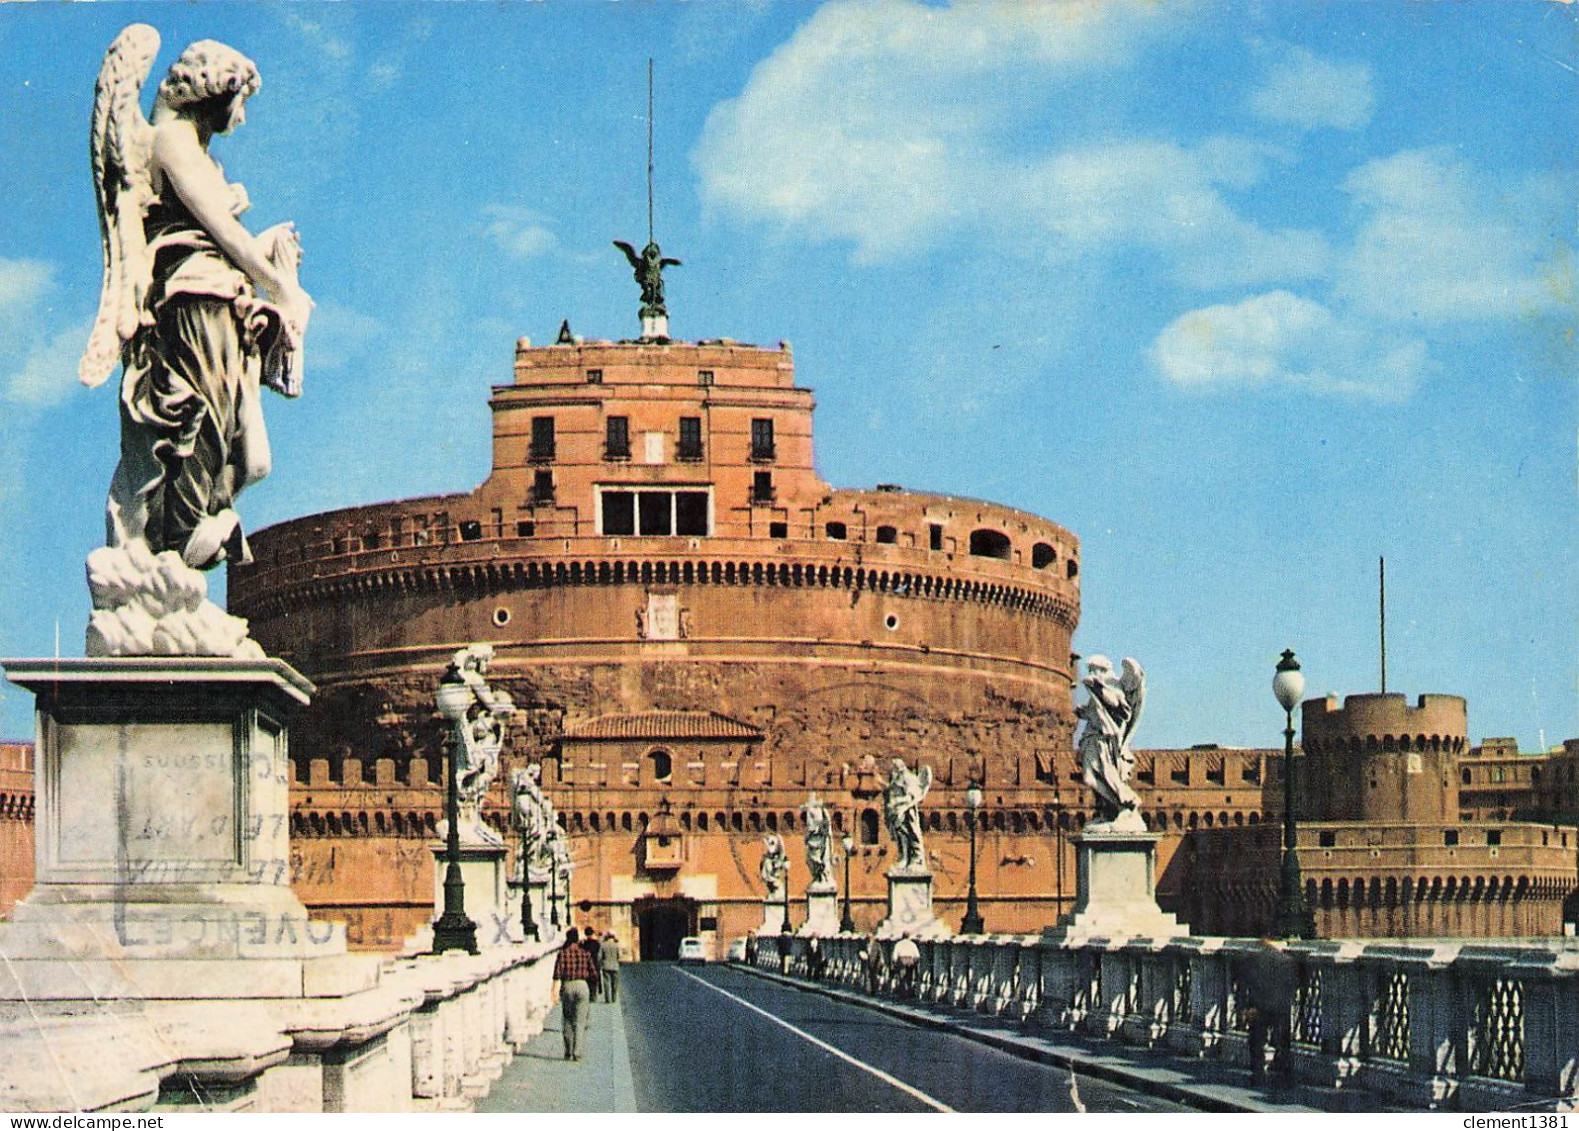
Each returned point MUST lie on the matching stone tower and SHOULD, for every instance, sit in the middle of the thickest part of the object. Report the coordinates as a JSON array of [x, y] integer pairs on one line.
[[1377, 759]]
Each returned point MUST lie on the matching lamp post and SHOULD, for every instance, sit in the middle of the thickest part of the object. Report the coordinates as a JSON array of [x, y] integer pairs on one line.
[[972, 924], [847, 921], [453, 930], [553, 888], [1294, 919], [528, 919]]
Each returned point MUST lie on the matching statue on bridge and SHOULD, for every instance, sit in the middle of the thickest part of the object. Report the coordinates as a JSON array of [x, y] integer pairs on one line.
[[775, 866], [1109, 715], [905, 790], [481, 738], [819, 843], [533, 816]]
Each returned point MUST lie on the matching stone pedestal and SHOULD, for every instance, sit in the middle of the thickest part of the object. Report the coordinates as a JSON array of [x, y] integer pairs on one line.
[[487, 901], [1117, 889], [162, 929], [654, 327], [772, 916], [822, 911], [910, 908]]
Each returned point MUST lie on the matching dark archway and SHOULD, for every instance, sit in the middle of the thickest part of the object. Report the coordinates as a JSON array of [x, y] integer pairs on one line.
[[661, 924]]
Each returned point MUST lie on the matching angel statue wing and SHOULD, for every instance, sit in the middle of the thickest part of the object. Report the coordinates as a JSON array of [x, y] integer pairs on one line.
[[1132, 681], [121, 143], [923, 780], [630, 252]]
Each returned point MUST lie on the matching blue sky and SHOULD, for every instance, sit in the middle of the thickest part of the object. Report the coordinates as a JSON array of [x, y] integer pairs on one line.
[[1245, 295]]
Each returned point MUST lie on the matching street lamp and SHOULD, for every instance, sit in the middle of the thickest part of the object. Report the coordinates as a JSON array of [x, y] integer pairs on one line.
[[553, 893], [453, 930], [528, 920], [1294, 919], [972, 924], [847, 923]]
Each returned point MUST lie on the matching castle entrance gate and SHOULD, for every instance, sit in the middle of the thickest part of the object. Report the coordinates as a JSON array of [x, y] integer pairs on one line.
[[661, 924]]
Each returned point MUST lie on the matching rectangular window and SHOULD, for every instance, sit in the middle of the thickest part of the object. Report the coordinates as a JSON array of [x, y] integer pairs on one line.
[[1327, 838], [1450, 837], [762, 439], [471, 530], [704, 377], [762, 487], [594, 376], [543, 487], [525, 529], [934, 536], [542, 439], [617, 438], [655, 512], [619, 512], [778, 530], [655, 509], [690, 513], [690, 438], [1493, 837]]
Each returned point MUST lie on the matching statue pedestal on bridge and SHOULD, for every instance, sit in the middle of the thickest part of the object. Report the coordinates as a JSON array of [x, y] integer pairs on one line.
[[487, 902], [773, 915], [822, 911], [1117, 888], [910, 908]]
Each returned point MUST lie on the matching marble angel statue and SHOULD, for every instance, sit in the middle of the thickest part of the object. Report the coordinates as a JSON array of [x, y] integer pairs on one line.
[[774, 869], [1109, 715], [905, 791], [819, 842], [198, 313], [481, 739]]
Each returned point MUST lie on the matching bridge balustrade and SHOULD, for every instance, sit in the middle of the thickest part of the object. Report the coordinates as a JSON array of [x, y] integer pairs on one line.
[[1468, 1024]]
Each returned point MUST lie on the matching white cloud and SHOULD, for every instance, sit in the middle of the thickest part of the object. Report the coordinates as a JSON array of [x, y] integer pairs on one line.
[[1279, 338], [1308, 91], [519, 231], [872, 123], [22, 284], [1442, 242], [47, 375], [1162, 197]]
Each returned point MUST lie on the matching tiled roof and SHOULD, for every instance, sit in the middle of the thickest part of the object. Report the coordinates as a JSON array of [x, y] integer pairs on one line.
[[670, 725]]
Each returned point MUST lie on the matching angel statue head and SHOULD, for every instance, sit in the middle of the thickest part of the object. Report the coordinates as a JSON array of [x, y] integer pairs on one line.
[[210, 72]]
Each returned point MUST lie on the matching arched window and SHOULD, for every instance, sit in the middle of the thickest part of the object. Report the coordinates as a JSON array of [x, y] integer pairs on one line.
[[869, 826], [1042, 556], [662, 765], [989, 544]]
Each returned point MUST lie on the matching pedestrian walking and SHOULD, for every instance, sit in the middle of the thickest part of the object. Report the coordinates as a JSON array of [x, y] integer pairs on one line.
[[609, 966], [1268, 979], [577, 976], [907, 957]]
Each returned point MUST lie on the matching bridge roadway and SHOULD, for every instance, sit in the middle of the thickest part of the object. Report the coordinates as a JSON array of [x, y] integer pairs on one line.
[[717, 1039]]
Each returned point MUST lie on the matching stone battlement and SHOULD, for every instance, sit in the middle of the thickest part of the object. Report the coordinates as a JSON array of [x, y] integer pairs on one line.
[[1387, 722]]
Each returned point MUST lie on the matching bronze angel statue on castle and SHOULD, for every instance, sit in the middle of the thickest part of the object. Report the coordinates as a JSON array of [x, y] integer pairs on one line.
[[200, 315]]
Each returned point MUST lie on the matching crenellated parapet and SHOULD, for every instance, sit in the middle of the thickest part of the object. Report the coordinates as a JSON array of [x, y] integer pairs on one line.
[[1377, 758]]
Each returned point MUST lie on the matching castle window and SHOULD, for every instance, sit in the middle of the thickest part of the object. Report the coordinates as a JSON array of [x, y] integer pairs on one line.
[[869, 826], [838, 531], [1450, 838], [543, 487], [662, 765], [1072, 568], [542, 449], [934, 536], [654, 513], [525, 528], [1465, 774], [989, 544], [1042, 556], [762, 446], [887, 535], [704, 377], [594, 376], [690, 438], [1327, 838], [617, 438], [762, 487], [1493, 837], [778, 530], [471, 530]]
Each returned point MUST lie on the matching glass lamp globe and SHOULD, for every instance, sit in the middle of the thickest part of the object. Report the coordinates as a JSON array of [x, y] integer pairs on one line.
[[453, 700], [1289, 683], [973, 797]]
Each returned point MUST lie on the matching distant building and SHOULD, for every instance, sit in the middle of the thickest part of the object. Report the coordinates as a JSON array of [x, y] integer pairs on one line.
[[16, 822]]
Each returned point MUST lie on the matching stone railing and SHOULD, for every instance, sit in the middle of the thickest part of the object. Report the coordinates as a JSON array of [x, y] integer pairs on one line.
[[1461, 1024]]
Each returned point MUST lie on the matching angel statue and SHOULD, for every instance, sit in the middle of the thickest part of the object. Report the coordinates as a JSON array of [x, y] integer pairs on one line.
[[819, 843], [902, 812], [198, 313], [775, 866], [1110, 713], [481, 738], [531, 818], [649, 267]]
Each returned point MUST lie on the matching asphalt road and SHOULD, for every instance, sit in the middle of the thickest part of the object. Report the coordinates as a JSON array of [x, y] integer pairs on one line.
[[700, 1042]]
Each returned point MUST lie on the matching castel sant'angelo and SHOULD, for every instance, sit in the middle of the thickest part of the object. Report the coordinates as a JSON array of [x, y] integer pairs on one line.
[[700, 633]]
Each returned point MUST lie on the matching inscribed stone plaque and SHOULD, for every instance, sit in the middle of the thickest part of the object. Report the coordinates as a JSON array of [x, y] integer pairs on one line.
[[165, 791], [663, 616]]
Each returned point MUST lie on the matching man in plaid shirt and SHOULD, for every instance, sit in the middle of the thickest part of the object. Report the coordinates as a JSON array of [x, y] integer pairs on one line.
[[577, 975]]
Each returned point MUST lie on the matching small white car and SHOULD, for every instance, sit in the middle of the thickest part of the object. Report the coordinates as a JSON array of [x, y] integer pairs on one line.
[[692, 952]]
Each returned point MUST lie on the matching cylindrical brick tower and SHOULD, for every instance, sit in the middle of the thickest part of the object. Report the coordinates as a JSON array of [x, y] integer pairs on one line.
[[1377, 759]]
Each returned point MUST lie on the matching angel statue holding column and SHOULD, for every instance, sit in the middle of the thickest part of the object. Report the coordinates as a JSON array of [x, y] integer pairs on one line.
[[1109, 715], [198, 312], [904, 792]]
